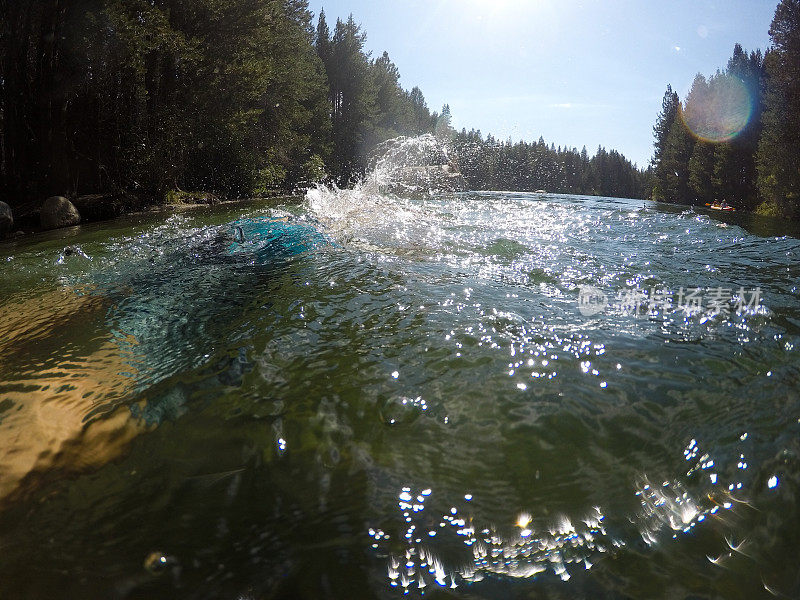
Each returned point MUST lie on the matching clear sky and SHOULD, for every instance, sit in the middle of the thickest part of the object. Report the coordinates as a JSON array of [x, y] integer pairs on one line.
[[577, 72]]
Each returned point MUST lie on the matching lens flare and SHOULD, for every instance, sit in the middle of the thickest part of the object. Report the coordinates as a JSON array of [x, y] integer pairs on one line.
[[720, 112]]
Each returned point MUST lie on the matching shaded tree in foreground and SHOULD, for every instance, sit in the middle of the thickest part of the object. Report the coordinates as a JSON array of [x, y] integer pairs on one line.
[[779, 149]]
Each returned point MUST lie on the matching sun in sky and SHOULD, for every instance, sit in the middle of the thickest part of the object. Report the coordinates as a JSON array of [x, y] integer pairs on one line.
[[500, 15], [497, 6]]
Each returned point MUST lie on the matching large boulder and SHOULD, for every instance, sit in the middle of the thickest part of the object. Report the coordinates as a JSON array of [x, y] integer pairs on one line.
[[57, 212], [6, 220]]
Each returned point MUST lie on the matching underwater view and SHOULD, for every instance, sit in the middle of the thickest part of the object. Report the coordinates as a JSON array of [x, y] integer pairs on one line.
[[403, 390]]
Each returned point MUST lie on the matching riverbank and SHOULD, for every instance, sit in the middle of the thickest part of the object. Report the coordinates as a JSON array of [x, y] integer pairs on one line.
[[97, 208], [766, 208]]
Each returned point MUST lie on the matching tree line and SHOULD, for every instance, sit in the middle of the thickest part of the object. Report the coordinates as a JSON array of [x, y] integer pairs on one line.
[[488, 164], [231, 97], [736, 137]]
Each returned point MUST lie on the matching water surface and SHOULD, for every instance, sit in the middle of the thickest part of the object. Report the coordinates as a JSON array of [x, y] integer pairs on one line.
[[359, 395]]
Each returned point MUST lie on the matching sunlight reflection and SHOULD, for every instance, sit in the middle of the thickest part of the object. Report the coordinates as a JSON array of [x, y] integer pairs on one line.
[[535, 546], [531, 549]]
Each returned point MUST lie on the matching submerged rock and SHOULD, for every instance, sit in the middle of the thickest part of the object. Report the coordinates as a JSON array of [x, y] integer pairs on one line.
[[57, 212], [6, 220]]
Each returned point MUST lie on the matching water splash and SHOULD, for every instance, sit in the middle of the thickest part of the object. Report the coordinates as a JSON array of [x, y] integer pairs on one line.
[[403, 168], [421, 165]]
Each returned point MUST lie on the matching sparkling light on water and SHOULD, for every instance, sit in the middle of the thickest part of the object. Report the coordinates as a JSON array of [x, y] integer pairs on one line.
[[556, 545]]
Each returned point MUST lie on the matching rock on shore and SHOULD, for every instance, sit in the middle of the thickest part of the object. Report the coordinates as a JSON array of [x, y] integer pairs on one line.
[[57, 212]]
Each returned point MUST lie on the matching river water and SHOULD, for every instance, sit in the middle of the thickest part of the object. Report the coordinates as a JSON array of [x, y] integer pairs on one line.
[[473, 395]]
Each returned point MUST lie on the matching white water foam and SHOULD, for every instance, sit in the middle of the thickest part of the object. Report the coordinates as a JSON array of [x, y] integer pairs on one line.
[[404, 170]]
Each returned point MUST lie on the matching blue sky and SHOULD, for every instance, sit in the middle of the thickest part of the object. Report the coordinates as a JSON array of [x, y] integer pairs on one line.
[[578, 72]]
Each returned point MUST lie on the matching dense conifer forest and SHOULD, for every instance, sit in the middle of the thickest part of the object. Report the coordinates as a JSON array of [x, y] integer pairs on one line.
[[245, 97], [702, 156], [232, 97], [491, 165]]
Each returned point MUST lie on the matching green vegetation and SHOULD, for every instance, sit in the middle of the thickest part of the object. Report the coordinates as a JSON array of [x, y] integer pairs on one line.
[[366, 103], [755, 167], [233, 97], [779, 151], [768, 209], [181, 198], [142, 98], [491, 165], [700, 154]]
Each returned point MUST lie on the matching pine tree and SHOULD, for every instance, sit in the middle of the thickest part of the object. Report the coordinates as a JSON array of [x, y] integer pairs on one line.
[[674, 165], [353, 98], [701, 173], [444, 129], [666, 119], [698, 113], [394, 113], [779, 148], [487, 165], [322, 40], [421, 115], [735, 165]]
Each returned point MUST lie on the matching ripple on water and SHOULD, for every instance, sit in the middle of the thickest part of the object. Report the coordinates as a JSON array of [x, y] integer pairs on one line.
[[432, 359]]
